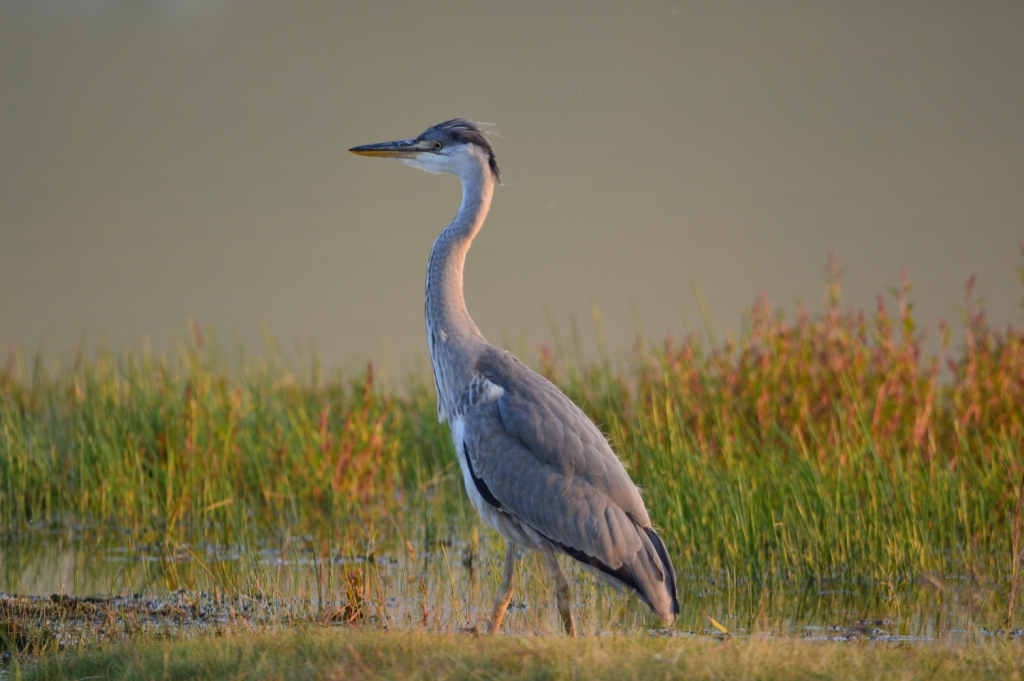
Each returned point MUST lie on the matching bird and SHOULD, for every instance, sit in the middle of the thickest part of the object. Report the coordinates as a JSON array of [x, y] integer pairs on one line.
[[535, 467]]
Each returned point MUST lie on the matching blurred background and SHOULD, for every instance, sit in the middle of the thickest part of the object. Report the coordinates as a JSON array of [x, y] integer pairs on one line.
[[164, 161]]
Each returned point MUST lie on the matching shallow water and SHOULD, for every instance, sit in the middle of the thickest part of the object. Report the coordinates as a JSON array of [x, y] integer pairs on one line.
[[449, 585]]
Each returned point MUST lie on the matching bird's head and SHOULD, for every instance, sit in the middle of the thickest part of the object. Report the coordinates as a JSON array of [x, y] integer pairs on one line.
[[457, 146]]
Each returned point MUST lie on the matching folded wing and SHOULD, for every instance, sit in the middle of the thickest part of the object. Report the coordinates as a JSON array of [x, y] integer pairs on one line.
[[537, 457]]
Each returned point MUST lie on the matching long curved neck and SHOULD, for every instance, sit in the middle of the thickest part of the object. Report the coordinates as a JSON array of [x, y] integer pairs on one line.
[[451, 333]]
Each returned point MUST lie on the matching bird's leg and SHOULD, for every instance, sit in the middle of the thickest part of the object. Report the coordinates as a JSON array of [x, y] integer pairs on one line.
[[563, 594], [501, 600]]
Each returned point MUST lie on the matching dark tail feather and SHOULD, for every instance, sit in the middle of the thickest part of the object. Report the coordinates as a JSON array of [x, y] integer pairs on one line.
[[666, 562]]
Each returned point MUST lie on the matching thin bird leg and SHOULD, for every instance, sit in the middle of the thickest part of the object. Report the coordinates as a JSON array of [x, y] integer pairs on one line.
[[563, 594], [504, 595]]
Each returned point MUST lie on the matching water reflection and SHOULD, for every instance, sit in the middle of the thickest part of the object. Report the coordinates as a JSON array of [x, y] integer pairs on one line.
[[448, 586]]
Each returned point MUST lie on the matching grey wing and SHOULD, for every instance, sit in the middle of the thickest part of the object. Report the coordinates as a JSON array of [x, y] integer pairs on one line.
[[541, 460]]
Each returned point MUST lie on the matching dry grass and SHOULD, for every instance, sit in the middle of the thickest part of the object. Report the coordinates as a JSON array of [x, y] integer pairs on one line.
[[363, 655]]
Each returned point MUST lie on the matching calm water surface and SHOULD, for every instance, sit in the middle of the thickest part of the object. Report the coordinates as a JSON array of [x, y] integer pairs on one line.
[[450, 586]]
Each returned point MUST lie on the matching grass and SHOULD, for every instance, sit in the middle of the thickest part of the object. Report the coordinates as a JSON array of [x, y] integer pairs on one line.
[[825, 470], [415, 655]]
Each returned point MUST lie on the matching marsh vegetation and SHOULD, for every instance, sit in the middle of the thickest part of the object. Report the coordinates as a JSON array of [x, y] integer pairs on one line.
[[818, 477]]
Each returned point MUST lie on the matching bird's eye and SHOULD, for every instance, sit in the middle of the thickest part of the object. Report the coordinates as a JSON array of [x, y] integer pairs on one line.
[[437, 146]]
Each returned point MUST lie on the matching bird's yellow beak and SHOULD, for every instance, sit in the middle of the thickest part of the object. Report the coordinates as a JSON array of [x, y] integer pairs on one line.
[[400, 149]]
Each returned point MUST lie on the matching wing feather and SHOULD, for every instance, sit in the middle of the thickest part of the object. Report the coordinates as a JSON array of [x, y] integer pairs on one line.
[[550, 467]]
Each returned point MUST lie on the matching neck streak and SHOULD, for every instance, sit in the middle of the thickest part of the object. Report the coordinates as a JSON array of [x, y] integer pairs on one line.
[[451, 334]]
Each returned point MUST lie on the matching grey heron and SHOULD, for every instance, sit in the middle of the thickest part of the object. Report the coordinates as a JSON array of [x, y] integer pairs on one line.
[[534, 465]]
